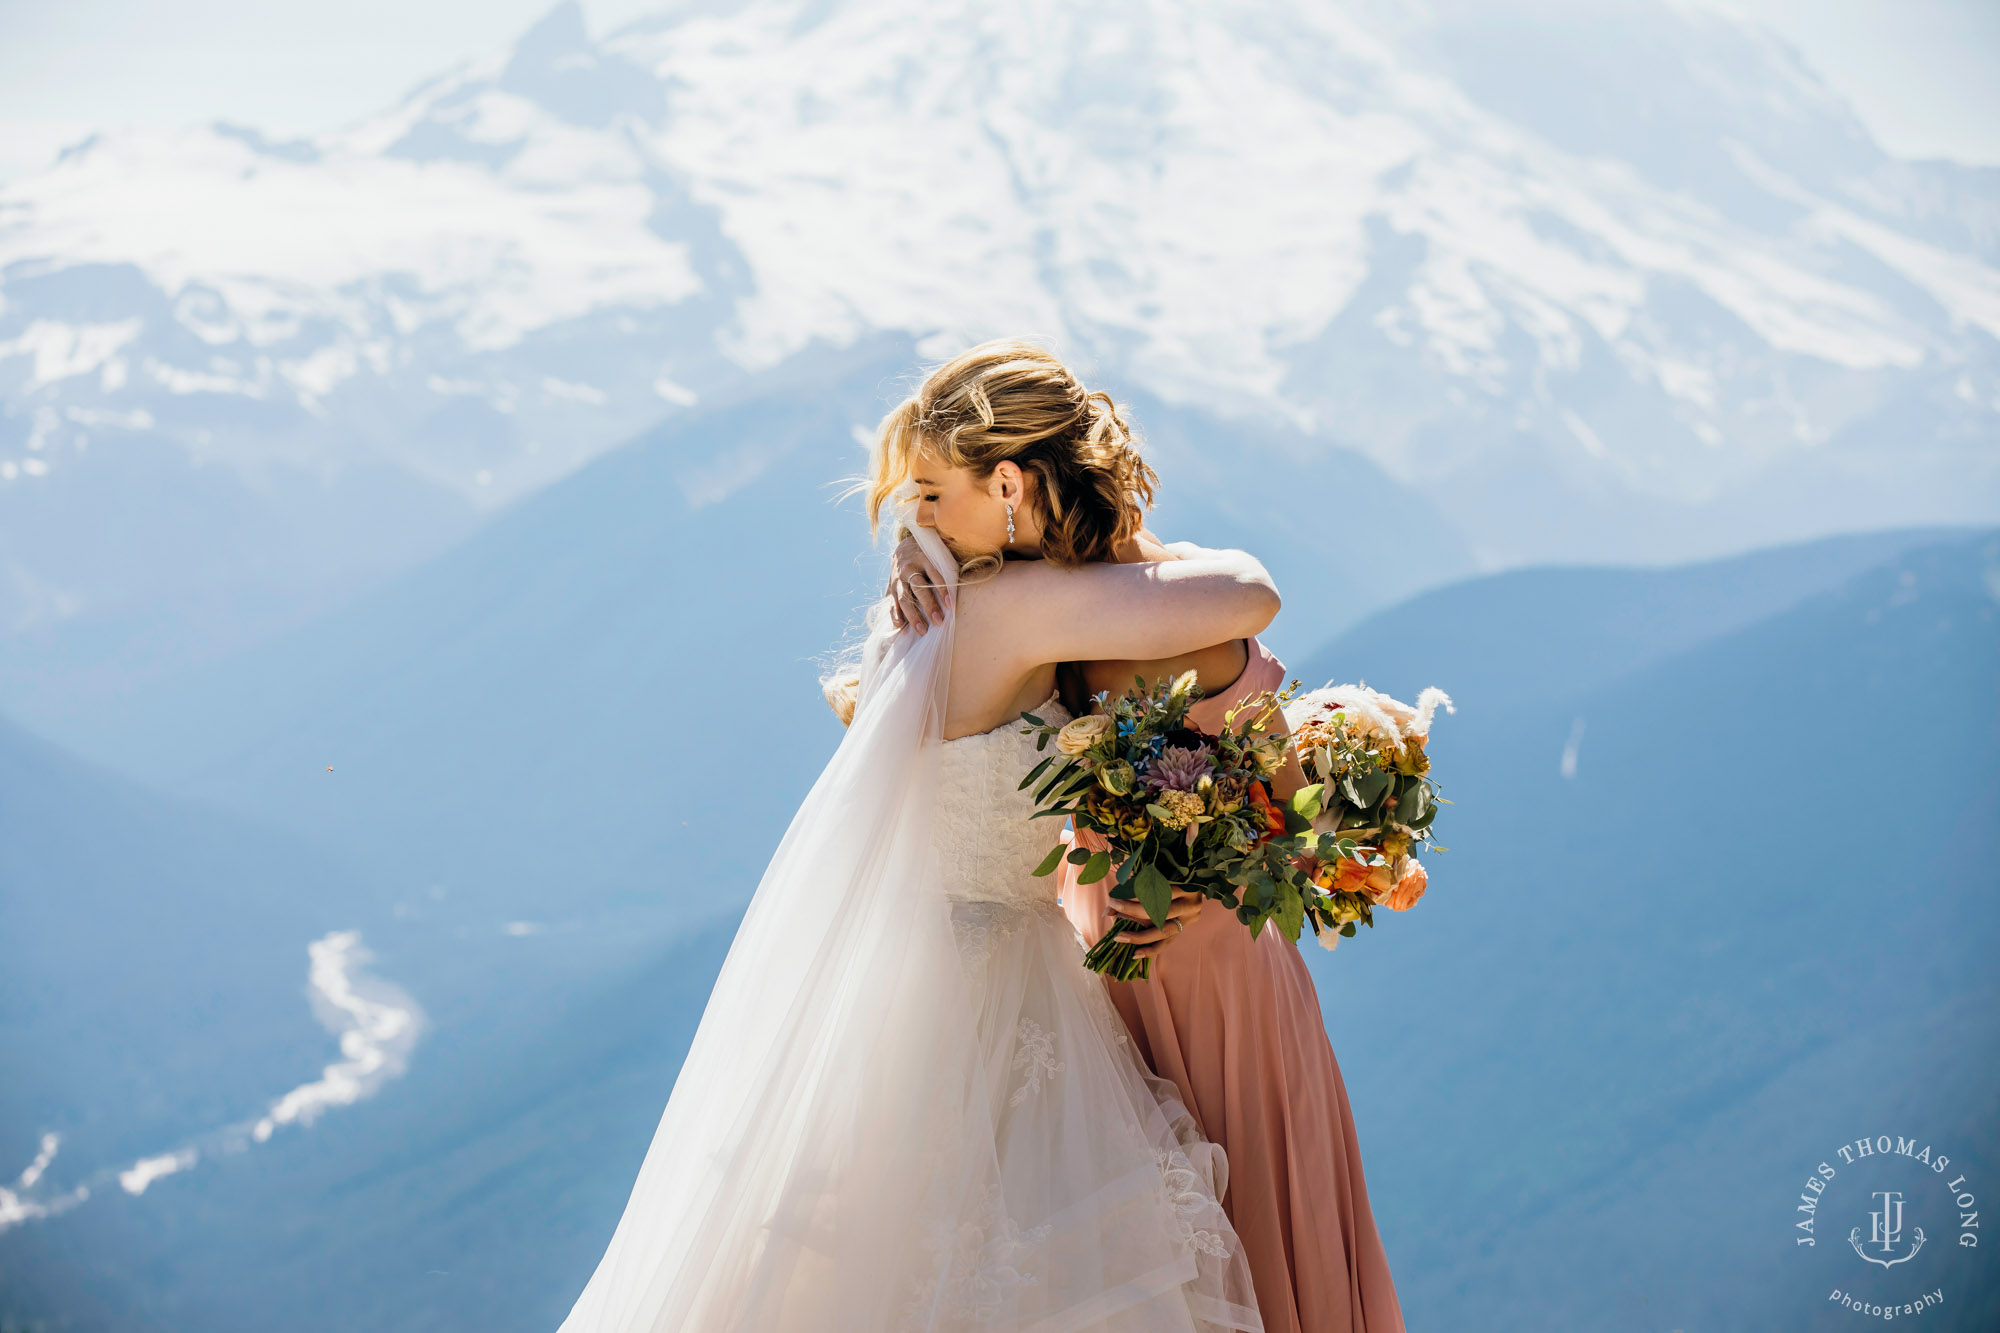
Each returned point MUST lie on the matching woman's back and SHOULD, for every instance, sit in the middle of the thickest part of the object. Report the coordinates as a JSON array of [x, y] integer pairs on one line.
[[988, 843], [990, 684]]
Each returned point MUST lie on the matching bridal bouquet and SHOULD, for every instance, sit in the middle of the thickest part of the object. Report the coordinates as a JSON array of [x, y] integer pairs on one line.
[[1363, 753], [1180, 808]]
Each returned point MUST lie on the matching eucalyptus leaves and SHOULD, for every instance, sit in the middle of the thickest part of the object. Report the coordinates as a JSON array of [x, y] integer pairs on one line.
[[1164, 806], [1170, 806]]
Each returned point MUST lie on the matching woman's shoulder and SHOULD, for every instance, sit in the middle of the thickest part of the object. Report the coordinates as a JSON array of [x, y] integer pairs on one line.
[[1262, 659], [998, 600], [1015, 584], [1262, 671]]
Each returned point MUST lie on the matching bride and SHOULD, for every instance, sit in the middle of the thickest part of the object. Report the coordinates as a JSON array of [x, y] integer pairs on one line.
[[908, 1106]]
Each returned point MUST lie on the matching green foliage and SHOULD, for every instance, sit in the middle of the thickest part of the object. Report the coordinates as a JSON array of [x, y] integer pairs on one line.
[[1203, 824], [1156, 894]]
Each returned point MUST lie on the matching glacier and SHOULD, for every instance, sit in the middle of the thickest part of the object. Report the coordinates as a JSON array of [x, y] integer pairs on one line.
[[1632, 289]]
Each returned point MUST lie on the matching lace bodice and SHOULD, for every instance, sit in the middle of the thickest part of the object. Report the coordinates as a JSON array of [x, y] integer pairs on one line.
[[987, 844]]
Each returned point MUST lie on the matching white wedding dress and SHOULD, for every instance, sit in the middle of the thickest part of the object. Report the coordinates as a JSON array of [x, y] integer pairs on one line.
[[908, 1105]]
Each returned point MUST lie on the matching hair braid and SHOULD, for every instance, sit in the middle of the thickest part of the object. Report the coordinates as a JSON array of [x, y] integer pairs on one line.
[[1012, 401]]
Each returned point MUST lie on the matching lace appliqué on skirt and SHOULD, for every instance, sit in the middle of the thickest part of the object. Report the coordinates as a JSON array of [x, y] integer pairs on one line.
[[1035, 1056], [1194, 1205], [1107, 1012], [977, 1264], [979, 928]]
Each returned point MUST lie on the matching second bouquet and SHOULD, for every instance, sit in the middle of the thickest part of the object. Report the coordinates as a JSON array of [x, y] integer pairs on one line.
[[1174, 807]]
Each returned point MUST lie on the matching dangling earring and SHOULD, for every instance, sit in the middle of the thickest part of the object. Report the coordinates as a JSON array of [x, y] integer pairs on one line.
[[1010, 525]]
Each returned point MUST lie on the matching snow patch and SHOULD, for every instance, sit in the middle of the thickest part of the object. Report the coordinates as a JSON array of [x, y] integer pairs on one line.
[[1585, 436], [1571, 747], [376, 1022], [136, 419], [251, 246], [134, 1179], [65, 350], [17, 1207], [573, 391], [677, 394]]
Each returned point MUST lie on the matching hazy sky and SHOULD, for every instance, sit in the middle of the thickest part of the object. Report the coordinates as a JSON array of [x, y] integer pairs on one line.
[[1924, 74]]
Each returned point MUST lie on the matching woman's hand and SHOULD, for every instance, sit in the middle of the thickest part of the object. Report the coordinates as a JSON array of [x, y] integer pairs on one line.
[[1185, 907], [918, 597]]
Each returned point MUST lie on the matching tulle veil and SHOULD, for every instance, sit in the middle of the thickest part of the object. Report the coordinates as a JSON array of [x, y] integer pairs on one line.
[[833, 1095]]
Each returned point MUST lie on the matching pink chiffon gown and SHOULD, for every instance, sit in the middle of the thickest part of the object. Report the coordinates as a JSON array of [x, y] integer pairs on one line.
[[1235, 1024]]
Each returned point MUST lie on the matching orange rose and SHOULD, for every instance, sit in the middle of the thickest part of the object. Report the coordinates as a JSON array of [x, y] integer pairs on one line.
[[1409, 888], [1274, 818], [1352, 876]]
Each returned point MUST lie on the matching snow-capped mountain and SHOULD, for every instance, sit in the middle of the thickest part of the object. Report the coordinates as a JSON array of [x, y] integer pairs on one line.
[[1629, 285]]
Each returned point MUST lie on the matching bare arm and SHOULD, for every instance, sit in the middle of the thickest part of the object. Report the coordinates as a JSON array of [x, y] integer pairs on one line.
[[919, 599], [1139, 611]]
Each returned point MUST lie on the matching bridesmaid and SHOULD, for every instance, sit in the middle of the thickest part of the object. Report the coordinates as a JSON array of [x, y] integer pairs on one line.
[[1235, 1024]]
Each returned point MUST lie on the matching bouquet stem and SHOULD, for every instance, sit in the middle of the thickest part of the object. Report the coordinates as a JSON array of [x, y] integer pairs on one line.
[[1114, 959]]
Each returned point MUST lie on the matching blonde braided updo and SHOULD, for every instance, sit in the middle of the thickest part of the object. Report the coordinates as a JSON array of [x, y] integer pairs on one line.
[[1012, 401]]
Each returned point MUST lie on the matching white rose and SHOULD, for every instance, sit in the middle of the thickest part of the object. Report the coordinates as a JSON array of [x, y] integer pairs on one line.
[[1082, 733]]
